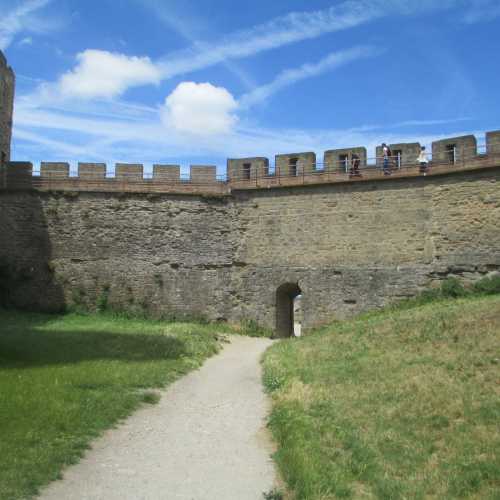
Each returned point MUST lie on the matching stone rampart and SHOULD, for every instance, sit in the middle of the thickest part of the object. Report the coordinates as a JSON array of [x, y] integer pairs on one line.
[[349, 246], [241, 248]]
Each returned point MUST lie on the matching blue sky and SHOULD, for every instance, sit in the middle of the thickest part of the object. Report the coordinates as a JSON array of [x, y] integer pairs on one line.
[[153, 81]]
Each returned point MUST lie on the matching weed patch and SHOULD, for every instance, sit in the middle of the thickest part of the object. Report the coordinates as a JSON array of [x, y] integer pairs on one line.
[[274, 494], [250, 328]]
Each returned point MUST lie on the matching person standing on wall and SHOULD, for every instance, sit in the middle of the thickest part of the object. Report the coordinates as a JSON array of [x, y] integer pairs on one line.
[[387, 153], [423, 161], [355, 161]]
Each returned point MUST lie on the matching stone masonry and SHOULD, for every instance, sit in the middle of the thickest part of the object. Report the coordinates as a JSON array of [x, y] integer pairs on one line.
[[223, 250], [349, 247]]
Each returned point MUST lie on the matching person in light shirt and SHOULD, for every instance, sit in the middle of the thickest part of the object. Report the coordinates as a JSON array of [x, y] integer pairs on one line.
[[423, 161], [387, 154]]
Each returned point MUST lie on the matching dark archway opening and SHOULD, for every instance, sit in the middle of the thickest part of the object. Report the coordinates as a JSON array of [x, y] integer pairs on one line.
[[285, 297]]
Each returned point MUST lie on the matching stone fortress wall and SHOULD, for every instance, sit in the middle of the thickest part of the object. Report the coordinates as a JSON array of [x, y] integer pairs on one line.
[[239, 249], [349, 247]]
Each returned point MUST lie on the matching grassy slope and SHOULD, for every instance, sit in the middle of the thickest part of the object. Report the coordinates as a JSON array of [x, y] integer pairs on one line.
[[64, 379], [398, 404]]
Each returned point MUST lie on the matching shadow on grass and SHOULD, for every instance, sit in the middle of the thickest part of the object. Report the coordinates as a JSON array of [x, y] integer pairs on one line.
[[25, 344]]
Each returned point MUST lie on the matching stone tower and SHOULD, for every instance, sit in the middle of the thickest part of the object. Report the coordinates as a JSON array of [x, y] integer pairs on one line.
[[7, 84]]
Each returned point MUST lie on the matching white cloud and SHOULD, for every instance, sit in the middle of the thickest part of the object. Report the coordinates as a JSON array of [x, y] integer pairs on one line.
[[308, 70], [20, 19], [200, 109], [114, 131], [281, 31], [138, 136], [292, 28], [102, 74]]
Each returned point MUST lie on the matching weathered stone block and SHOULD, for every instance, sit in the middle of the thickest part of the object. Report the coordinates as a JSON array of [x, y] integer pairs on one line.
[[17, 175], [170, 173], [129, 171], [493, 143], [454, 150], [340, 160], [295, 164], [90, 171], [54, 170], [203, 174], [244, 169]]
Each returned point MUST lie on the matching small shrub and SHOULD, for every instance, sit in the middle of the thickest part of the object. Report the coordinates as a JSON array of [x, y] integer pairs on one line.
[[274, 494], [488, 286], [272, 378], [452, 287], [151, 398], [103, 299]]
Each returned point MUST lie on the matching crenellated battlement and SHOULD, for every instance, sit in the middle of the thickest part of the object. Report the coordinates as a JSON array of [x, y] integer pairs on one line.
[[446, 157], [57, 176]]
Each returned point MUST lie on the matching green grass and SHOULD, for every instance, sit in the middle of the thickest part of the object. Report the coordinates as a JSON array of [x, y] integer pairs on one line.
[[65, 379], [399, 404]]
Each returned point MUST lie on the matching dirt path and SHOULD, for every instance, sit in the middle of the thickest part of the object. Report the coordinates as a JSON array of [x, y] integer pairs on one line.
[[206, 439]]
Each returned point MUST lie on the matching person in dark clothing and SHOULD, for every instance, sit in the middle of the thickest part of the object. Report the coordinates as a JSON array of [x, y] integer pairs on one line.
[[355, 162]]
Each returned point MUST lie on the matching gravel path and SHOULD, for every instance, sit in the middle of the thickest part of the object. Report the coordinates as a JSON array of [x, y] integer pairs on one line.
[[205, 440]]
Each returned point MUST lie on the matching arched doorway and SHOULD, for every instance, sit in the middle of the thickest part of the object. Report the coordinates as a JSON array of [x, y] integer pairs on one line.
[[285, 297]]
